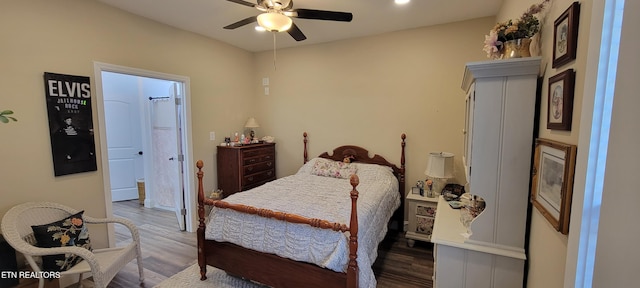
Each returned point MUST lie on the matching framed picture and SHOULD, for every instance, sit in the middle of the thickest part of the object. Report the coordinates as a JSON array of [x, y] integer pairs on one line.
[[68, 100], [560, 102], [552, 181], [565, 36]]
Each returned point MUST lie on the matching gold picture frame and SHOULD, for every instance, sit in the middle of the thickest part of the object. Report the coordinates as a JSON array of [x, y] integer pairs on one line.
[[552, 181]]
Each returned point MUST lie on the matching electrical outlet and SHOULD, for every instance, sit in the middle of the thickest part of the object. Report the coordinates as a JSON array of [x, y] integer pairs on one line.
[[212, 136], [266, 90]]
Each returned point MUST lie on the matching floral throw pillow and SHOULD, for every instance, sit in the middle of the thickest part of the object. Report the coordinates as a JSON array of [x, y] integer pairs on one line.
[[333, 169], [70, 231]]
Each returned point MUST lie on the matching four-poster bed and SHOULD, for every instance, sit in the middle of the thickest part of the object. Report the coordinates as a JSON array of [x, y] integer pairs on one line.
[[278, 271]]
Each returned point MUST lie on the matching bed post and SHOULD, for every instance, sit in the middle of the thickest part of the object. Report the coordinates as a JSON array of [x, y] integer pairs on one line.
[[306, 157], [401, 185], [403, 137], [352, 269], [202, 262]]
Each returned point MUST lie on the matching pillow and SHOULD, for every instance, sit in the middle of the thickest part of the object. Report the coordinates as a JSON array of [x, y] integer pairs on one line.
[[306, 168], [70, 231], [335, 169]]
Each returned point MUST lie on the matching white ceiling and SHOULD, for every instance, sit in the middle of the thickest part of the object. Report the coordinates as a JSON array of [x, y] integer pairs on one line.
[[370, 17]]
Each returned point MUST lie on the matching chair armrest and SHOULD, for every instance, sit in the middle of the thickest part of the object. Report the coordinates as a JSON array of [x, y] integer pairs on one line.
[[82, 252], [132, 227]]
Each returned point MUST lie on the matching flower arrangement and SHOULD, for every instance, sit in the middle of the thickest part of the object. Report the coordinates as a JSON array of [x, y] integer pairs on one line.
[[524, 27]]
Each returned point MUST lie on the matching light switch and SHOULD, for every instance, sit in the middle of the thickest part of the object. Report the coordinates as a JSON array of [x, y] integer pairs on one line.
[[212, 136], [266, 90], [265, 81]]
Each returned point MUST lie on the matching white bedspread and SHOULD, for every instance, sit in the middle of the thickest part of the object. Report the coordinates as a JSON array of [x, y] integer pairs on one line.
[[314, 197]]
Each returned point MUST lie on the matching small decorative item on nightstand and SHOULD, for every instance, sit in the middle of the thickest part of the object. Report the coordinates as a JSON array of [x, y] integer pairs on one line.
[[419, 189]]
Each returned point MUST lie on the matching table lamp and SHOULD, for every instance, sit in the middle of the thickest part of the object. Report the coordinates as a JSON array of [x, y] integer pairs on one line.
[[252, 123], [439, 169]]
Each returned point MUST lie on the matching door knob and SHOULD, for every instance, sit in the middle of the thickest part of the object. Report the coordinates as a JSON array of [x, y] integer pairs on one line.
[[139, 152], [171, 158]]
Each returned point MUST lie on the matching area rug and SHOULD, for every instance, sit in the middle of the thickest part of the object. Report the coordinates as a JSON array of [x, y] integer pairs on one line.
[[190, 277]]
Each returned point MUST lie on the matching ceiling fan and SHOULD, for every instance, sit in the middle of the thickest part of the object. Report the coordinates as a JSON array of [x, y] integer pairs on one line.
[[276, 16]]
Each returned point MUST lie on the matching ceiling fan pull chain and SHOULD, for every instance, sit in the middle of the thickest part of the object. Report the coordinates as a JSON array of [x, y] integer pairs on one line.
[[274, 50]]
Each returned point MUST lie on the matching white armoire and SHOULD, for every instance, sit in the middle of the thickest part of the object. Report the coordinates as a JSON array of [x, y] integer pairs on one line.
[[498, 143]]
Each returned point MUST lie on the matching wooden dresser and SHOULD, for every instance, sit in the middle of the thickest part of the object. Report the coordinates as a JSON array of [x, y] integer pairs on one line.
[[244, 167]]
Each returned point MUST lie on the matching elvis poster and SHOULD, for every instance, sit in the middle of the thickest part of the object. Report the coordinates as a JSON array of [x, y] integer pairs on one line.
[[70, 123]]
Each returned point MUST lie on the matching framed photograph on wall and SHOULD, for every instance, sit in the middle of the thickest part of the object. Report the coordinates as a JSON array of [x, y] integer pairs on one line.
[[552, 181], [565, 36], [560, 100]]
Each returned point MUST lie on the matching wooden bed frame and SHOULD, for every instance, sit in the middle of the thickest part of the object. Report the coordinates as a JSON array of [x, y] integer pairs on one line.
[[276, 271]]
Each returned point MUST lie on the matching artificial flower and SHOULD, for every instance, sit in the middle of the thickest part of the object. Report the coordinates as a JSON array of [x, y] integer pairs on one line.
[[524, 27]]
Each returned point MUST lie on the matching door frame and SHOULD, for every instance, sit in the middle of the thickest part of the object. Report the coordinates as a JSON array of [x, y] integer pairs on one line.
[[189, 182]]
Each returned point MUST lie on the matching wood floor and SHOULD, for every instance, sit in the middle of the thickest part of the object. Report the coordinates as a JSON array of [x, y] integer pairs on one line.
[[167, 251]]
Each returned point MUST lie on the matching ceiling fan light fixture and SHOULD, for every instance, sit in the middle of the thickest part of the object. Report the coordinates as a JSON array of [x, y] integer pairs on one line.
[[274, 22]]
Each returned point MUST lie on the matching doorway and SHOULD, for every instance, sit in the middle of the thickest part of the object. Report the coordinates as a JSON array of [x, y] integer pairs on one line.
[[144, 135]]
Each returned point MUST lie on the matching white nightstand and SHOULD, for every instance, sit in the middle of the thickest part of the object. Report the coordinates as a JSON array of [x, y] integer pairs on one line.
[[422, 214]]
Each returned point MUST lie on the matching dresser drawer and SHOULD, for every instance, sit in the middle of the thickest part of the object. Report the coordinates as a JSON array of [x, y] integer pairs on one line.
[[258, 159], [255, 168], [258, 178], [257, 152]]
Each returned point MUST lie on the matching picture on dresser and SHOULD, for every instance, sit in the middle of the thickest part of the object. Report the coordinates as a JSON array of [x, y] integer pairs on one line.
[[552, 183]]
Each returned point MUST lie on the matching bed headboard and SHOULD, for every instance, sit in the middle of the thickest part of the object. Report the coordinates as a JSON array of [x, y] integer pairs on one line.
[[361, 154]]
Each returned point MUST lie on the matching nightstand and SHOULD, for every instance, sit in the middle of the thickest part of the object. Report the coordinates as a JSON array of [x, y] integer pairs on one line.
[[422, 214]]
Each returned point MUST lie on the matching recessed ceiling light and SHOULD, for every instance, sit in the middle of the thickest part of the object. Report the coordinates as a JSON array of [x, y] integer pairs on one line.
[[401, 2]]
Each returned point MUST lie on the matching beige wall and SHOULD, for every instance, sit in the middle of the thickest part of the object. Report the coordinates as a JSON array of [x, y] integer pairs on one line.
[[617, 253], [406, 82], [368, 91], [548, 247], [364, 91], [66, 36]]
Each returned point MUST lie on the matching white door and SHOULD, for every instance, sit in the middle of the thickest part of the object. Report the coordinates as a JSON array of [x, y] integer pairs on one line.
[[179, 159], [166, 142], [124, 144]]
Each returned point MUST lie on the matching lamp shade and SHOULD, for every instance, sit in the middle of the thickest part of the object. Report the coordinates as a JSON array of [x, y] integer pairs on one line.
[[274, 22], [251, 123], [440, 165]]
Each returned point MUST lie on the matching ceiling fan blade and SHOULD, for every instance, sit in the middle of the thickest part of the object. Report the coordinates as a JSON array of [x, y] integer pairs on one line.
[[322, 15], [242, 22], [296, 33], [245, 3]]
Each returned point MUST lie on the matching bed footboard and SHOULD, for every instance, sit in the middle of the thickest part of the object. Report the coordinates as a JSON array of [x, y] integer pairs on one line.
[[203, 246]]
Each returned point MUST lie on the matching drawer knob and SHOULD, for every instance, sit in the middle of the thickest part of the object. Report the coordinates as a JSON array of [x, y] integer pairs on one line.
[[269, 164], [269, 173], [250, 168], [250, 178]]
